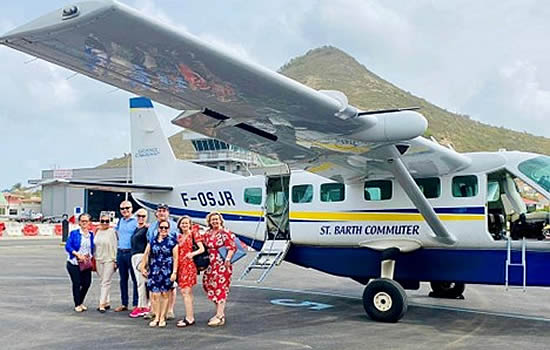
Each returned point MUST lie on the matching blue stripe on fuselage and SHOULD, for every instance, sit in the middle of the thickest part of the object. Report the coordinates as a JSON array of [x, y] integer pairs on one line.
[[459, 265]]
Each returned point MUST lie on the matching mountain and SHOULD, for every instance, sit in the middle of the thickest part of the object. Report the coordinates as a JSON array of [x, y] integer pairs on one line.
[[329, 68]]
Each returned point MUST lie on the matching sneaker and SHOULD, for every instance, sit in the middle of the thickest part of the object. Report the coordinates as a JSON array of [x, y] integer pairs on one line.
[[144, 311], [137, 312]]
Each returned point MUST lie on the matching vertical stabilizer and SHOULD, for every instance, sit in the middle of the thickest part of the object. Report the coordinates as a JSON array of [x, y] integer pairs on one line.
[[153, 161]]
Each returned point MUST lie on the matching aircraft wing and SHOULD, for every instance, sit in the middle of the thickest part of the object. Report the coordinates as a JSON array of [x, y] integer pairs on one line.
[[109, 186], [226, 97]]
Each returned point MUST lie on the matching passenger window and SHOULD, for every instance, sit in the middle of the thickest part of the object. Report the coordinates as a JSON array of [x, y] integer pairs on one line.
[[253, 195], [430, 186], [333, 192], [465, 186], [302, 194], [378, 190]]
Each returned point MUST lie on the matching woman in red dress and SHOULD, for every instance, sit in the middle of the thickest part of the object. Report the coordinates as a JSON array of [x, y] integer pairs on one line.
[[217, 277], [187, 271]]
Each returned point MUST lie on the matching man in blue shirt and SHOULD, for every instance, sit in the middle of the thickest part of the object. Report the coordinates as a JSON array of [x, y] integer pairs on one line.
[[163, 214], [125, 229]]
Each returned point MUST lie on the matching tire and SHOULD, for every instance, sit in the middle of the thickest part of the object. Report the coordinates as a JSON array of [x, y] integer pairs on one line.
[[385, 300], [451, 290]]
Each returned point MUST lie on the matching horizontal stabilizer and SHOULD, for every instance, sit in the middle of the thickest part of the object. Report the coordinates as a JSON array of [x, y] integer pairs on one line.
[[109, 186]]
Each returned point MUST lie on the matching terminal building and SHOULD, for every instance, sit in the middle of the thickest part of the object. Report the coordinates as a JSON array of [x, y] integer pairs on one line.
[[59, 199]]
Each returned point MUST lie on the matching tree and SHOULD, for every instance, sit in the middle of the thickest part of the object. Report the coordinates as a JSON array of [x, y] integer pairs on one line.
[[17, 187]]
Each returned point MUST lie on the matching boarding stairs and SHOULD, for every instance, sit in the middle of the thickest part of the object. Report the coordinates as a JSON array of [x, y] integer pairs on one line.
[[522, 264], [272, 254]]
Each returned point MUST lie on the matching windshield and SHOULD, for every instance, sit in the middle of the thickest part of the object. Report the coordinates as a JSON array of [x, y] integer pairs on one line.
[[538, 170]]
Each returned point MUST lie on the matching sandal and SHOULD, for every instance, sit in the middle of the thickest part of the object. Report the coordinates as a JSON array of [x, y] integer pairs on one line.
[[153, 323], [121, 308], [84, 307], [162, 324], [101, 309], [184, 323], [216, 321], [107, 307]]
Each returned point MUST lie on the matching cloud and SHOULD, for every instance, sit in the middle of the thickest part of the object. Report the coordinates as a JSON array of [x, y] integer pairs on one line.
[[485, 59]]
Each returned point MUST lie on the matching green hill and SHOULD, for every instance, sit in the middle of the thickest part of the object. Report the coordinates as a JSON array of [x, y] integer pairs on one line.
[[329, 68]]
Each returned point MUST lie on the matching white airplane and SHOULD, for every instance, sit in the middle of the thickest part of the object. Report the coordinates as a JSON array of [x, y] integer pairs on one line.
[[365, 196]]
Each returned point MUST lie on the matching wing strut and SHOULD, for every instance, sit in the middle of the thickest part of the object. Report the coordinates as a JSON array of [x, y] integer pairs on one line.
[[398, 169]]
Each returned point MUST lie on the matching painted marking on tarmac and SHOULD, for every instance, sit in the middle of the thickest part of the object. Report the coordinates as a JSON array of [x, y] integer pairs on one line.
[[427, 306], [311, 305]]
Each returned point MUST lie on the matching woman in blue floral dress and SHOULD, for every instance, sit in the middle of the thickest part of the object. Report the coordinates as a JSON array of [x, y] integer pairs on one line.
[[161, 255]]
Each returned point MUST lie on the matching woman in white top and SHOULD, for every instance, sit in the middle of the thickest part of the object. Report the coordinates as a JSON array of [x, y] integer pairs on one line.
[[105, 256]]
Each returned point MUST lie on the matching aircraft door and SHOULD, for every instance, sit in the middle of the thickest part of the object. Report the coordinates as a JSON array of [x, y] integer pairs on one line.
[[277, 207]]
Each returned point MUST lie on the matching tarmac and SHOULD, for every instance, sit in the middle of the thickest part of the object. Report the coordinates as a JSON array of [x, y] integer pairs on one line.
[[295, 308]]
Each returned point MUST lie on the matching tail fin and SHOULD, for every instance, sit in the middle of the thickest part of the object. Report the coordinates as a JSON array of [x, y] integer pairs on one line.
[[153, 161]]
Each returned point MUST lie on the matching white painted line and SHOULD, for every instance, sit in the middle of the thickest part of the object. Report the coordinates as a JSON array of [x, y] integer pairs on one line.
[[427, 306]]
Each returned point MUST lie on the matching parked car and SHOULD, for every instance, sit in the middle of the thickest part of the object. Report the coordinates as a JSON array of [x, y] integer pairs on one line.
[[30, 217]]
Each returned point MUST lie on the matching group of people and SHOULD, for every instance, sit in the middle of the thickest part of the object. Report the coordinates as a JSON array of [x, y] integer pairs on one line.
[[157, 257]]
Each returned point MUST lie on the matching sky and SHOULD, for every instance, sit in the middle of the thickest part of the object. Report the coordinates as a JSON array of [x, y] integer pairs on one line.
[[486, 59]]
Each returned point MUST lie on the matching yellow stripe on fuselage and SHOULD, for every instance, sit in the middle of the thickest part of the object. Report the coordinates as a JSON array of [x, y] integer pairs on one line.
[[342, 216]]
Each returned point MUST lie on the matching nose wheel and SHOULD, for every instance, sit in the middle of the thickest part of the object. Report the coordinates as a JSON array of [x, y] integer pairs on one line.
[[385, 300]]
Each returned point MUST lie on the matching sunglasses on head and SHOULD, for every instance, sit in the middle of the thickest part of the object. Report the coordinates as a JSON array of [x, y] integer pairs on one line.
[[163, 227], [104, 221], [125, 208], [141, 216]]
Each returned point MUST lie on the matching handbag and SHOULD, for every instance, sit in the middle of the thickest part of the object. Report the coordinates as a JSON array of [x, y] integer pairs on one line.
[[94, 264], [203, 259], [239, 253], [85, 264]]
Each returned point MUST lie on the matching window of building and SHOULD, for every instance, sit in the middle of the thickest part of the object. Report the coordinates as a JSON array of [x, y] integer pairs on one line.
[[430, 186], [378, 190], [253, 195], [302, 194], [209, 145], [2, 211], [13, 212], [465, 186], [333, 192]]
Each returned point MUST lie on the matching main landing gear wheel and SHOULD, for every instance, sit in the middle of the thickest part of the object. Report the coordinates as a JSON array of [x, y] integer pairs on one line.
[[449, 290], [385, 300]]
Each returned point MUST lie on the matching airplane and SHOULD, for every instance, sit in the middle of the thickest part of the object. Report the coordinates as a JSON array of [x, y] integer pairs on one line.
[[362, 194]]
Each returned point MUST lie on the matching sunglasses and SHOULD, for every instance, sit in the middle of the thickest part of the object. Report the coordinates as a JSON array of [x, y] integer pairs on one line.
[[104, 221], [84, 221], [125, 208], [141, 216], [163, 227]]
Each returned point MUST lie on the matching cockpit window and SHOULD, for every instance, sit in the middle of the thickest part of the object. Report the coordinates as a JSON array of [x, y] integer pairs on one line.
[[538, 170]]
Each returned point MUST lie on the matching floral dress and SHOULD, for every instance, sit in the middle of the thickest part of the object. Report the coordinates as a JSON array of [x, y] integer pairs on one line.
[[187, 271], [217, 276], [161, 265]]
